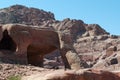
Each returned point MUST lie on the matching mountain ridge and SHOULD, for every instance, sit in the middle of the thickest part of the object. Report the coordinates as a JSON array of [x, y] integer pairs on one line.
[[37, 17], [97, 49]]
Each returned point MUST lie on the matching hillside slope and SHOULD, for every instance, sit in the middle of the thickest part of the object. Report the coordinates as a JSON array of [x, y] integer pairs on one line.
[[95, 46]]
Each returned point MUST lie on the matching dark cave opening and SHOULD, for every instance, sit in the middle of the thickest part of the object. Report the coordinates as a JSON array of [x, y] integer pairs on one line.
[[7, 42]]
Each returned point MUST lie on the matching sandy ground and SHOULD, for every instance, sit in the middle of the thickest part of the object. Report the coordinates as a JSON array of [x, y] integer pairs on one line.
[[7, 70]]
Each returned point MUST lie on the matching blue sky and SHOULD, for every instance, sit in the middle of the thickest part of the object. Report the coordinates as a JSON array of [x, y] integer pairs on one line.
[[106, 13]]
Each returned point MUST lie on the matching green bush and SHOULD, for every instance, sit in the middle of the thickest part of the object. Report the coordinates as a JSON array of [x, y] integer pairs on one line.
[[14, 78]]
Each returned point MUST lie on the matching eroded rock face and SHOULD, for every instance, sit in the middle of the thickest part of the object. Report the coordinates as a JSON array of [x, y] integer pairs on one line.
[[78, 44], [66, 45], [29, 44], [24, 15], [91, 42], [29, 41], [95, 29]]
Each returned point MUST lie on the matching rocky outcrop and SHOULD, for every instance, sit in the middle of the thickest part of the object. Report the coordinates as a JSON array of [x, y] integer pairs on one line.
[[78, 44], [73, 27], [32, 16], [24, 15], [90, 41], [110, 62], [111, 50], [29, 44], [66, 46], [23, 41], [95, 30]]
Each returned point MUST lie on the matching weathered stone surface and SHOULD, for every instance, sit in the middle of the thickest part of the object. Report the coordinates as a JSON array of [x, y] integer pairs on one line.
[[29, 44], [66, 46], [73, 60], [24, 15], [109, 63], [84, 36], [95, 29], [75, 39], [76, 75], [110, 50]]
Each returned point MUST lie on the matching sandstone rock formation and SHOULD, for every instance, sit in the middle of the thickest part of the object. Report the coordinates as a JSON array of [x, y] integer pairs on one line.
[[24, 15], [90, 41], [66, 46], [28, 40], [76, 75], [78, 44], [29, 44]]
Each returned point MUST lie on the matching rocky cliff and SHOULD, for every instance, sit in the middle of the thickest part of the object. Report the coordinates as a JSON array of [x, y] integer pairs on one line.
[[24, 15], [96, 47]]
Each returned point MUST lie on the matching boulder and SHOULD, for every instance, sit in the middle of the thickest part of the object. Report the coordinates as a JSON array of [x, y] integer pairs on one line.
[[110, 50], [66, 46], [73, 60]]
